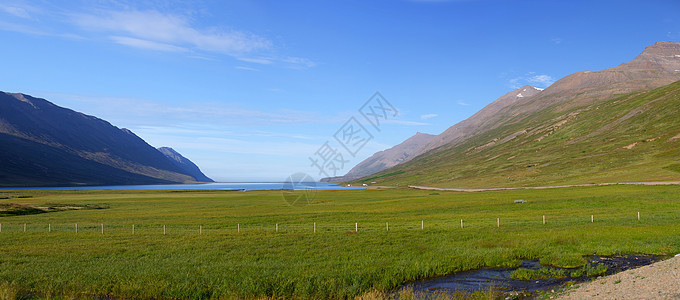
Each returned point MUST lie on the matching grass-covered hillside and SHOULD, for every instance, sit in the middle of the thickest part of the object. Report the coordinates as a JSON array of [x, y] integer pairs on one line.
[[631, 137]]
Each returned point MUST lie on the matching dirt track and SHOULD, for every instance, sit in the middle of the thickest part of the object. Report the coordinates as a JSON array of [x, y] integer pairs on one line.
[[660, 280], [542, 187]]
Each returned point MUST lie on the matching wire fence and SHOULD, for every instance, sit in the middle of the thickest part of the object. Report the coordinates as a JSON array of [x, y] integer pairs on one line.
[[514, 222]]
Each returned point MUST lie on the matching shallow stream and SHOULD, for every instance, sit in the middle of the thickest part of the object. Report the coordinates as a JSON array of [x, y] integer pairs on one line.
[[500, 279]]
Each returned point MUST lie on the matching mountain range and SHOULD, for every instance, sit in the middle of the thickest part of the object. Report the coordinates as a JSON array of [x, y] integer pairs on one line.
[[614, 125], [385, 159], [618, 124], [42, 144]]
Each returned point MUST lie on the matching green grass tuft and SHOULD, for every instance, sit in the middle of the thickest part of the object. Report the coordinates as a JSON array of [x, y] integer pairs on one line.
[[542, 273]]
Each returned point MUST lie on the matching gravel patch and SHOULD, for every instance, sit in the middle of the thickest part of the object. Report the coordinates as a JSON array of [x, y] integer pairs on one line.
[[660, 280]]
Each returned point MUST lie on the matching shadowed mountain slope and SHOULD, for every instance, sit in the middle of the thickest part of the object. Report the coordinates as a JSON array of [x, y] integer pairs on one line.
[[64, 147]]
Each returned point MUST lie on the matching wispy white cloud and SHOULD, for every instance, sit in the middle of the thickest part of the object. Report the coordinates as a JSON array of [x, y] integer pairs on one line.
[[247, 68], [176, 30], [146, 44], [557, 40], [203, 57], [673, 35], [515, 83], [31, 29], [541, 80], [439, 1], [243, 146], [153, 29], [16, 10], [462, 103], [428, 116], [258, 60], [405, 122], [299, 62], [20, 28], [291, 62], [199, 130], [531, 78], [150, 112]]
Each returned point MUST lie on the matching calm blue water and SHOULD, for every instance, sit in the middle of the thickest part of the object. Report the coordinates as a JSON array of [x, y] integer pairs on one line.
[[248, 186]]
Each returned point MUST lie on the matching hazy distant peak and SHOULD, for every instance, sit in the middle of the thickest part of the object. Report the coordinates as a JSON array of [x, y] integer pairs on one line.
[[388, 158], [184, 163]]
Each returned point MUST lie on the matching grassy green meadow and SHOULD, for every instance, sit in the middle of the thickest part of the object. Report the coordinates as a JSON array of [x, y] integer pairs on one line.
[[296, 262]]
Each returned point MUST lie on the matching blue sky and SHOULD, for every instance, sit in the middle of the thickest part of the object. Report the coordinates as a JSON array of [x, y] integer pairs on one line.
[[251, 90]]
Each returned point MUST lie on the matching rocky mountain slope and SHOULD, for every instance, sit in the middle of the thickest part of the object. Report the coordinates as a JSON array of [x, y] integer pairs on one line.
[[385, 159], [592, 126], [44, 144], [657, 65], [487, 118]]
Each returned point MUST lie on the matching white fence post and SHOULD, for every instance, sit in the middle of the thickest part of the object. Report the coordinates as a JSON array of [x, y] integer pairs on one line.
[[76, 227], [638, 216], [314, 227], [102, 228], [592, 219], [461, 223], [238, 227], [133, 228], [200, 229], [49, 227], [356, 227], [163, 229], [543, 219], [422, 224], [277, 227], [387, 224], [498, 222]]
